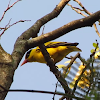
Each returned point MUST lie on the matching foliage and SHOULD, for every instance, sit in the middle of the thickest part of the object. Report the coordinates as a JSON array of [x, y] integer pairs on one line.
[[84, 78]]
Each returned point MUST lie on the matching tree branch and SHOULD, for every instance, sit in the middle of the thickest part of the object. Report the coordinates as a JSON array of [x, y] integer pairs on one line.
[[8, 8], [20, 46], [34, 30], [84, 22], [55, 71], [86, 11], [38, 91]]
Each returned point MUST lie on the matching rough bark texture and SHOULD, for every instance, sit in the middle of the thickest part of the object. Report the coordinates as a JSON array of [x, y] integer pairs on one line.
[[6, 72], [9, 63]]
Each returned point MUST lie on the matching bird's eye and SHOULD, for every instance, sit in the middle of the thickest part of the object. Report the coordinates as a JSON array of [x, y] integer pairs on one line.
[[37, 50], [27, 54]]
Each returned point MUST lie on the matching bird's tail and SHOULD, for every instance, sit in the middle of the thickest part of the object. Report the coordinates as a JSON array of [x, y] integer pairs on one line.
[[74, 48]]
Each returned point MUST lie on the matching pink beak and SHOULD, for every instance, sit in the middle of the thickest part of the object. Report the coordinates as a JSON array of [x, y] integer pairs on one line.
[[25, 61]]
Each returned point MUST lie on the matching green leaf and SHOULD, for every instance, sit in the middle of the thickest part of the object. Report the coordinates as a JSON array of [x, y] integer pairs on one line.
[[92, 50], [95, 45]]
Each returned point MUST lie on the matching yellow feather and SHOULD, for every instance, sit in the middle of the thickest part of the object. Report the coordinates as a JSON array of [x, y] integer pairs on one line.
[[57, 51]]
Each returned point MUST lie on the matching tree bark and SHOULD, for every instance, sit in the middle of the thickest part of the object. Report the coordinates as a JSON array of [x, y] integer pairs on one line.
[[6, 72]]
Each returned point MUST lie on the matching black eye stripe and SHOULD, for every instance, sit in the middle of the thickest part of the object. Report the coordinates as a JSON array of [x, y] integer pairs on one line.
[[27, 54]]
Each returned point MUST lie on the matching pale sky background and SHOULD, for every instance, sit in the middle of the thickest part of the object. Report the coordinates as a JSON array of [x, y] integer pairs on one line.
[[37, 76]]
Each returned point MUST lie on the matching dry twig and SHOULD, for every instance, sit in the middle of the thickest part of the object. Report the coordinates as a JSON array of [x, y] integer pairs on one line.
[[78, 10], [8, 26], [8, 8]]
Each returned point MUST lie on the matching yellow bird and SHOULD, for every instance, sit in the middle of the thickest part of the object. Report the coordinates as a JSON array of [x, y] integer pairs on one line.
[[56, 50]]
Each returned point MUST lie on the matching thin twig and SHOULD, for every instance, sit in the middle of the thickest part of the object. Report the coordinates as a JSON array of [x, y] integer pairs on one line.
[[62, 98], [78, 10], [8, 8], [55, 90], [71, 62], [83, 7], [94, 50], [95, 27], [76, 82], [47, 92], [8, 26], [43, 30], [5, 28], [38, 91]]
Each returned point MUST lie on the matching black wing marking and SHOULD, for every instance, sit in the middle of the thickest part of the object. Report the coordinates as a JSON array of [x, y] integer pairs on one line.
[[52, 45], [61, 44]]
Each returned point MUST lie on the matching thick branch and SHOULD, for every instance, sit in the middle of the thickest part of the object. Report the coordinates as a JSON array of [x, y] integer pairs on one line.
[[21, 44], [55, 71], [84, 22], [32, 31], [6, 71]]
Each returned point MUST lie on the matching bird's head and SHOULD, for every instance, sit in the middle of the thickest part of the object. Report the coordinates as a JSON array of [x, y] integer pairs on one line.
[[27, 57]]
